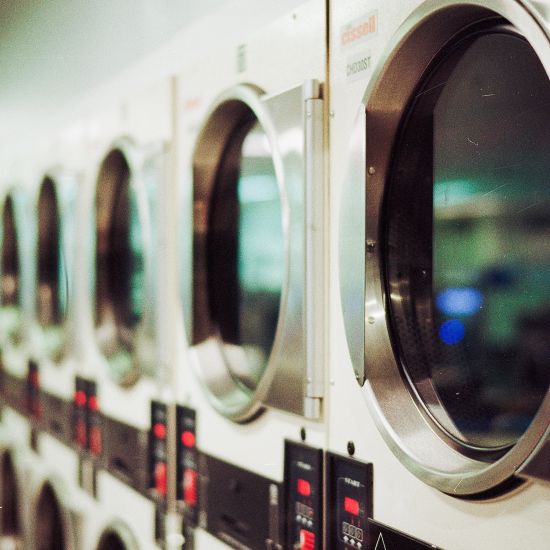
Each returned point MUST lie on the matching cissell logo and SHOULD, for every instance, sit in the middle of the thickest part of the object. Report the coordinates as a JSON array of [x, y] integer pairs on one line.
[[359, 29]]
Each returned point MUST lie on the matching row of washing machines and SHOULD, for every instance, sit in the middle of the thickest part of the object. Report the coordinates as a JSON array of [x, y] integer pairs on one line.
[[292, 293]]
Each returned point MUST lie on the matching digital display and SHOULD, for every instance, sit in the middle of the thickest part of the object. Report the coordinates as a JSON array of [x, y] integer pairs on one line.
[[351, 506]]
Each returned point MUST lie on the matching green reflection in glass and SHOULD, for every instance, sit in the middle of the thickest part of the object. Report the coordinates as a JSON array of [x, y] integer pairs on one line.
[[260, 250], [136, 266]]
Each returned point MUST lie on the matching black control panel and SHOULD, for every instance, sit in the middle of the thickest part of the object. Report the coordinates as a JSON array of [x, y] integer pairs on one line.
[[304, 496], [80, 414], [239, 507], [158, 460], [187, 475], [86, 417], [349, 502], [385, 538], [93, 420]]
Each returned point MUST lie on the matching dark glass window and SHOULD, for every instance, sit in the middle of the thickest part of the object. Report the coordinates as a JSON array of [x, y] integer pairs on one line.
[[467, 232], [10, 256], [51, 274], [120, 255], [245, 252]]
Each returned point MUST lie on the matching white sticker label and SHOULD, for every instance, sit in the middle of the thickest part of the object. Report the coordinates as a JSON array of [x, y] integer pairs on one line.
[[359, 30], [358, 66]]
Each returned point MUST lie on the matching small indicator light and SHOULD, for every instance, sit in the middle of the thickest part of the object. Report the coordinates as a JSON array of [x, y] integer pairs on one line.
[[95, 440], [351, 506], [93, 404], [81, 432], [303, 487], [160, 478], [190, 486], [159, 430], [188, 439], [80, 398], [34, 378]]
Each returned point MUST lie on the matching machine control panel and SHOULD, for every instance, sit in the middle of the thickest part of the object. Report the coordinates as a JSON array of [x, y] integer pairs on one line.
[[304, 496], [80, 414], [349, 502], [86, 417], [188, 464], [95, 439], [158, 449], [385, 538]]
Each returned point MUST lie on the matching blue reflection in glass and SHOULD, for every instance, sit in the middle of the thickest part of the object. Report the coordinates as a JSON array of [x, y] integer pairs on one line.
[[452, 332], [459, 301]]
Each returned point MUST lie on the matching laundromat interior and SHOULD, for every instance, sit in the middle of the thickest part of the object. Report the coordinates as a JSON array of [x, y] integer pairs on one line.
[[275, 275]]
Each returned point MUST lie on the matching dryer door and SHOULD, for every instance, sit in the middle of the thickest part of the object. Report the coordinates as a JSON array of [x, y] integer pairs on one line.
[[248, 298], [52, 273], [457, 258], [124, 262]]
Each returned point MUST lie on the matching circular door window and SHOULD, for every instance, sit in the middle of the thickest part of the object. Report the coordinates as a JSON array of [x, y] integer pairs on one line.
[[464, 226], [49, 527], [10, 270], [51, 298], [120, 266], [239, 256], [468, 251]]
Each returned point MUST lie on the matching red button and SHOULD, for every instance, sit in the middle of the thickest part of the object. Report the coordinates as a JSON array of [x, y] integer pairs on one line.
[[307, 540], [95, 440], [80, 398], [351, 506], [81, 433], [303, 487], [159, 430], [160, 478], [34, 378], [93, 404], [190, 478], [188, 439]]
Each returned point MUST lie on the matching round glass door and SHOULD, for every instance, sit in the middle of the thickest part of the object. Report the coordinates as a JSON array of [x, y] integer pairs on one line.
[[51, 299], [457, 260], [239, 256], [246, 254], [467, 229], [120, 268]]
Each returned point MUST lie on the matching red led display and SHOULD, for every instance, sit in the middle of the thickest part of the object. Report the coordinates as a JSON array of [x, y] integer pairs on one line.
[[303, 487], [351, 506]]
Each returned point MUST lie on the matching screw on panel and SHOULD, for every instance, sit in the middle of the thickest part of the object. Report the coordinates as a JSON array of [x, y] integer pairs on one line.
[[303, 434], [372, 170], [370, 320], [370, 246], [351, 448]]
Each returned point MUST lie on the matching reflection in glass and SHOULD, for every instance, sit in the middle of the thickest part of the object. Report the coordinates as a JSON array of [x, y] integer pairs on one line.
[[246, 253], [10, 256], [468, 231], [49, 257], [10, 315]]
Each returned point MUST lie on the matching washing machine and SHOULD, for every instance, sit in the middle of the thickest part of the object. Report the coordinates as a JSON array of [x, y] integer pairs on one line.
[[249, 341], [440, 317], [120, 383]]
